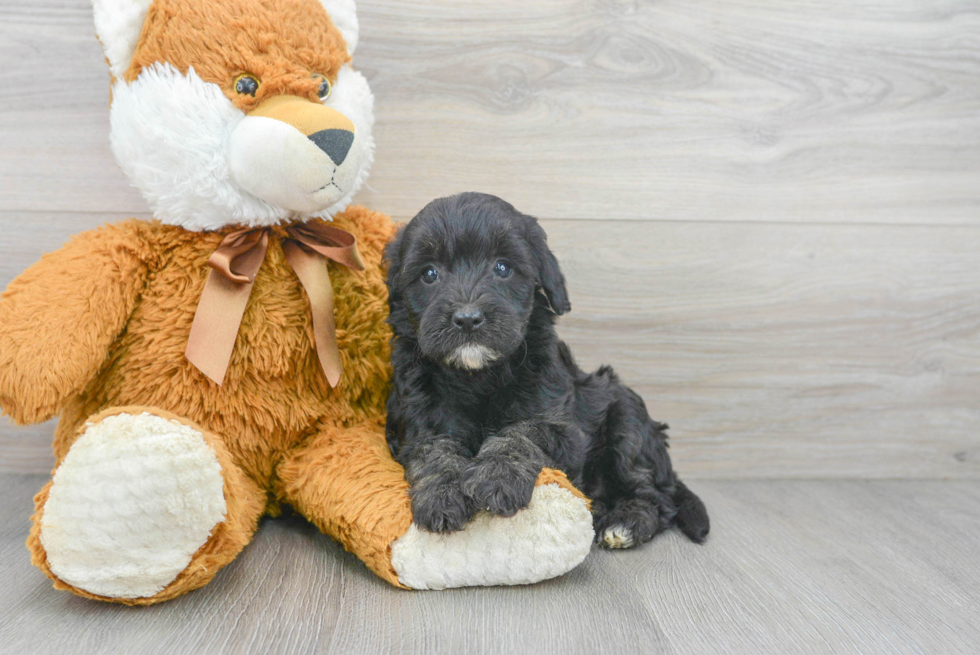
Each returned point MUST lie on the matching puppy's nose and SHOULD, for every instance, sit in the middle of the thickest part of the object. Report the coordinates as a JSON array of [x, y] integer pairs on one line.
[[336, 143], [468, 319]]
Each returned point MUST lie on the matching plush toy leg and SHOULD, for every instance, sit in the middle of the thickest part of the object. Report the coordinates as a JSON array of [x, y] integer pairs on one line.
[[144, 507], [346, 482]]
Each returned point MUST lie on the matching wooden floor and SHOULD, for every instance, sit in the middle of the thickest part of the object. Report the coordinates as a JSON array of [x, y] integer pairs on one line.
[[769, 217], [791, 567]]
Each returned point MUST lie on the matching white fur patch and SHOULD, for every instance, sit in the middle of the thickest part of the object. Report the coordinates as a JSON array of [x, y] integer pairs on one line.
[[618, 536], [118, 24], [472, 357], [343, 13], [551, 536], [131, 503], [171, 134], [274, 161]]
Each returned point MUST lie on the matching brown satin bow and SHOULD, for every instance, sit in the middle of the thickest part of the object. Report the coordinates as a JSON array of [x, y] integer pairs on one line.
[[234, 266]]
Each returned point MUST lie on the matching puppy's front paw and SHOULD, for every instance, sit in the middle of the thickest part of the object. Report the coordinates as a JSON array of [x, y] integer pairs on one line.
[[440, 507], [499, 486]]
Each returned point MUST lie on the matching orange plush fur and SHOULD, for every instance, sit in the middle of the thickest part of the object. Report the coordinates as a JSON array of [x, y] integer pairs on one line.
[[275, 422], [280, 42]]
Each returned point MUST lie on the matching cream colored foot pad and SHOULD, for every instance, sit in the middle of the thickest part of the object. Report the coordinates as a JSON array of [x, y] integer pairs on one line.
[[548, 538], [132, 502]]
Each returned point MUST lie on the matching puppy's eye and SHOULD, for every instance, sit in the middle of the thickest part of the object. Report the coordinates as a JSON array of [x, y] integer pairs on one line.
[[246, 85], [430, 275], [323, 91], [502, 269]]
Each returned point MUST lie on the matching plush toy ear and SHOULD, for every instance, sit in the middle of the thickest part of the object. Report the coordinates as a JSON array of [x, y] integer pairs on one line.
[[118, 24], [343, 13]]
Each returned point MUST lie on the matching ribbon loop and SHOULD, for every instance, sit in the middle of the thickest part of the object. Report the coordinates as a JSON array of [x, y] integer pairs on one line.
[[235, 264], [240, 255], [330, 242]]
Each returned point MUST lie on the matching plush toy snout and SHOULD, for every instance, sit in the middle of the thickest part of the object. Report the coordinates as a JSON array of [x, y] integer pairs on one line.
[[295, 153]]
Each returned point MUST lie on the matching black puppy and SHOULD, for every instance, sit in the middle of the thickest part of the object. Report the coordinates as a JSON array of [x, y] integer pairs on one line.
[[485, 394]]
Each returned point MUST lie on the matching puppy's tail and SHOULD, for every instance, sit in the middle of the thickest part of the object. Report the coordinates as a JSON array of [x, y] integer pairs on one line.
[[692, 516]]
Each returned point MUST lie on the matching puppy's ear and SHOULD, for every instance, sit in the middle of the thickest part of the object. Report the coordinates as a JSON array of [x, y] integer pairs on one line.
[[550, 277], [394, 256], [393, 259]]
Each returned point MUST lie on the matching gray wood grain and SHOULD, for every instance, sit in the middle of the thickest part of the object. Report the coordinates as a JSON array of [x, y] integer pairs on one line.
[[788, 351], [791, 567], [774, 351], [750, 111]]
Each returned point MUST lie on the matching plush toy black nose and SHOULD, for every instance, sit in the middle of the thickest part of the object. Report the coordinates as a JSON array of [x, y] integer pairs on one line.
[[336, 143], [468, 319]]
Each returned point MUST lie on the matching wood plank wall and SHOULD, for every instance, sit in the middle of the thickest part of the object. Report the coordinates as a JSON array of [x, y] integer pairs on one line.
[[769, 213]]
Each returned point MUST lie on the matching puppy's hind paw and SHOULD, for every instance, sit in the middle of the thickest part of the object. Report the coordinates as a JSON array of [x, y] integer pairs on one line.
[[617, 536], [629, 523]]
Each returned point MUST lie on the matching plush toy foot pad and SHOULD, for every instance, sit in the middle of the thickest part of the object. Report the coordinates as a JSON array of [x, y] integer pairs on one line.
[[548, 538], [133, 500]]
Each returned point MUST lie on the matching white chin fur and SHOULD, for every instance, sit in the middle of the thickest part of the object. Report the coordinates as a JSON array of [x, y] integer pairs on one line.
[[471, 357], [172, 135]]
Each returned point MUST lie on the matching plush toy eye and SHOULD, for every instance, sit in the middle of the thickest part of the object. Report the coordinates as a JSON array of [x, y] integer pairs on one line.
[[430, 275], [323, 91], [246, 85], [502, 269]]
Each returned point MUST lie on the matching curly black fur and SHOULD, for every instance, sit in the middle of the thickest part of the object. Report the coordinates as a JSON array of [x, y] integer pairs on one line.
[[481, 402]]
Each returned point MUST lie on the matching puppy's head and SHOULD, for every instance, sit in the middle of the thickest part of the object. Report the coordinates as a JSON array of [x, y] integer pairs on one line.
[[463, 279]]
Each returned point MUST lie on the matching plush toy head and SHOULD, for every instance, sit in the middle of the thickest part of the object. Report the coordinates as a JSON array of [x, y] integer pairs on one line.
[[237, 112]]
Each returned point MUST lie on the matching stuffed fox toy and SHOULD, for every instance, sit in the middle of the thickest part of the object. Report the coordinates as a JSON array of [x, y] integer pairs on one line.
[[230, 356]]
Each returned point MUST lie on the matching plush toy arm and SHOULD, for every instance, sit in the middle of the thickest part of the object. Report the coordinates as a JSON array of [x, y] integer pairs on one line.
[[60, 316]]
